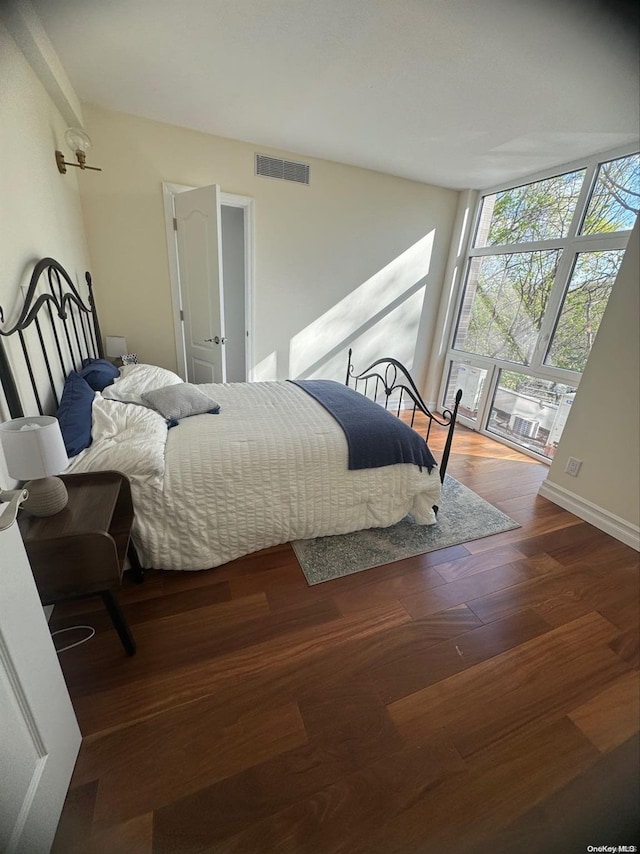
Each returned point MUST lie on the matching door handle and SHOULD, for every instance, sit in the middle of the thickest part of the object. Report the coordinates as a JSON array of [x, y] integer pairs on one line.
[[214, 340]]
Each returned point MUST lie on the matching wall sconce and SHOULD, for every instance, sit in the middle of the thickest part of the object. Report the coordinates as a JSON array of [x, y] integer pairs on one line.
[[79, 142]]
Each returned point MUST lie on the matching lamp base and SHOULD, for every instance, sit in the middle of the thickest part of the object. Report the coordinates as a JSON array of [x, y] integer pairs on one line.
[[47, 496]]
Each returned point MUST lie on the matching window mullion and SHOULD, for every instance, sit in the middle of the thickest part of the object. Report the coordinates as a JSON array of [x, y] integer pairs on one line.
[[599, 242], [561, 282], [516, 248], [583, 200]]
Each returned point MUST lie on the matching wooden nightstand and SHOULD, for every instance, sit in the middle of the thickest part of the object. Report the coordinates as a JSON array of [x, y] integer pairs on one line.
[[81, 550]]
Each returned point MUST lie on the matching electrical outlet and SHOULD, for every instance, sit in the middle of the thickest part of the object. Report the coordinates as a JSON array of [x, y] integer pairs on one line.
[[573, 466]]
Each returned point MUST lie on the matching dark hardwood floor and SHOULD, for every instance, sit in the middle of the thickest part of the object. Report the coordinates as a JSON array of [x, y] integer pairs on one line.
[[480, 698]]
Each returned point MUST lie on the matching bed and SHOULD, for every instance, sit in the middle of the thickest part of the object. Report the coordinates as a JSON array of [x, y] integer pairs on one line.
[[268, 465]]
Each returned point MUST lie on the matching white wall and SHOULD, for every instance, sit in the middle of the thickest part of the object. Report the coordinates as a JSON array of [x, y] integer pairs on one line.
[[350, 259], [40, 210], [603, 428]]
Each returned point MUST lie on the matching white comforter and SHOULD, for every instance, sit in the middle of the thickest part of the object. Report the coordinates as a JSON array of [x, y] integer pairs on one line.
[[270, 468]]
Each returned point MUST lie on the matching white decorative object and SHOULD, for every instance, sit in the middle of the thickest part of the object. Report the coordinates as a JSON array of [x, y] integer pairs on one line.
[[34, 451]]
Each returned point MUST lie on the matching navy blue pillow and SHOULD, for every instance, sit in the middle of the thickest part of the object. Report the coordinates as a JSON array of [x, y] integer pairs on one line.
[[74, 413], [99, 373]]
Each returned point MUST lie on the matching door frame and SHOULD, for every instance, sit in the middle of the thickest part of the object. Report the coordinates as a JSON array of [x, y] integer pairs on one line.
[[169, 191]]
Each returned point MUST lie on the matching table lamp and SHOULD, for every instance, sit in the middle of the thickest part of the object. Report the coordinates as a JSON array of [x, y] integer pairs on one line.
[[116, 346], [34, 451]]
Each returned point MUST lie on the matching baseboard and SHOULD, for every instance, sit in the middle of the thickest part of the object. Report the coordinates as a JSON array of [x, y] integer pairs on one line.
[[48, 611], [626, 532]]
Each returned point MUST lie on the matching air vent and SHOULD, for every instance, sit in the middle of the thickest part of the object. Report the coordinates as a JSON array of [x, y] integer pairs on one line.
[[284, 170], [525, 426]]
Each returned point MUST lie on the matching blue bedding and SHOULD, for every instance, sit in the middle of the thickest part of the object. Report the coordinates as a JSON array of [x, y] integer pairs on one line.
[[375, 437]]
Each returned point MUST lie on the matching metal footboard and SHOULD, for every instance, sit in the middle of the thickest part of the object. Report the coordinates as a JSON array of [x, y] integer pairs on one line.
[[387, 379]]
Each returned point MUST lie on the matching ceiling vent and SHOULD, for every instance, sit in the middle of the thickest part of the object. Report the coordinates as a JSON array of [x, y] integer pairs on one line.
[[284, 170]]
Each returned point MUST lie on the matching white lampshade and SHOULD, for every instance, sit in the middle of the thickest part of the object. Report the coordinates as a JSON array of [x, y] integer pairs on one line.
[[33, 447], [116, 346]]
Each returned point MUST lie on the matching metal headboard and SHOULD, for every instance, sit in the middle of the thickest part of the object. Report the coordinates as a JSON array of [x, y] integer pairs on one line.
[[67, 332], [391, 376]]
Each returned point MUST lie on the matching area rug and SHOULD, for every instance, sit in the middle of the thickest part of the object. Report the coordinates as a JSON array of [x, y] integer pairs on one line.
[[463, 516]]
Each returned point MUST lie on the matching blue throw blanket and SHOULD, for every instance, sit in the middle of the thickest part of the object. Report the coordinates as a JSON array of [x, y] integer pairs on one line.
[[375, 437]]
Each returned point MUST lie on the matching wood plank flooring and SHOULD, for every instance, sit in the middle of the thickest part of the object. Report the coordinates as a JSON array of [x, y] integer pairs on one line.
[[480, 698]]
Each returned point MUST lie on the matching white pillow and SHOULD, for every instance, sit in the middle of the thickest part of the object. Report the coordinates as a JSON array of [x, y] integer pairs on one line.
[[126, 438], [136, 380]]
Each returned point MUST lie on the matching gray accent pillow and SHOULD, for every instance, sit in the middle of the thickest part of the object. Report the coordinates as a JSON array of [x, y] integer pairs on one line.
[[180, 401]]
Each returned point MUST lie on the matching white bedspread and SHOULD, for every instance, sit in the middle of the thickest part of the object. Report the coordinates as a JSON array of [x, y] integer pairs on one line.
[[270, 468]]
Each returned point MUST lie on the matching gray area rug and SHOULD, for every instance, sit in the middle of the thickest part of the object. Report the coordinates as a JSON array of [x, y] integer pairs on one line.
[[463, 516]]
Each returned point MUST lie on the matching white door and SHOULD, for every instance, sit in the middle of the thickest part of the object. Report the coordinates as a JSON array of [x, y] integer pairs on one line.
[[198, 226], [39, 734]]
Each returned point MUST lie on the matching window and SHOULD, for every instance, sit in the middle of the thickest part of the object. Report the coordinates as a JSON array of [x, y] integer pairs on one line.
[[539, 211], [504, 303], [583, 305], [613, 205], [541, 265], [530, 412]]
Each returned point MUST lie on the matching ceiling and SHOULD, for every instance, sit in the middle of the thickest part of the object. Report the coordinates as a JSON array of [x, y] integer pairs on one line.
[[458, 93]]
